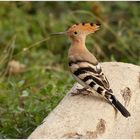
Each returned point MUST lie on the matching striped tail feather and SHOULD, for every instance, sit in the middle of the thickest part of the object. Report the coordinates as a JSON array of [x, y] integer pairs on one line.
[[111, 98]]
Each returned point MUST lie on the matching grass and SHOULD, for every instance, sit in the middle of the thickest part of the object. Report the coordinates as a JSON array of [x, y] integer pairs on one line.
[[27, 98]]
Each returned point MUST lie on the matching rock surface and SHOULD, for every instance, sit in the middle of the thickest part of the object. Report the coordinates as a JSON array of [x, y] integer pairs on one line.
[[91, 116]]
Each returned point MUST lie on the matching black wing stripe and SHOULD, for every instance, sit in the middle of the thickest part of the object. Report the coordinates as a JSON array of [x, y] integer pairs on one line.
[[79, 71], [89, 64], [97, 81], [86, 78], [92, 84], [100, 90], [83, 70]]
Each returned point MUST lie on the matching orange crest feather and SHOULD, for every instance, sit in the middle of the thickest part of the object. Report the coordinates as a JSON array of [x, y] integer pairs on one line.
[[84, 27]]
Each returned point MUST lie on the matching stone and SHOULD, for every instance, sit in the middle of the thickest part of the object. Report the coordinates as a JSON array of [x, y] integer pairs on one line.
[[91, 116]]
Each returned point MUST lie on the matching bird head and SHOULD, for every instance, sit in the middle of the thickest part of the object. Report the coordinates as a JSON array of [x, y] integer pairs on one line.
[[80, 31]]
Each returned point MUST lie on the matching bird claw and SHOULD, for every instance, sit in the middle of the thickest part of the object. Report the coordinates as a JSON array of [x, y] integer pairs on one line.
[[82, 91]]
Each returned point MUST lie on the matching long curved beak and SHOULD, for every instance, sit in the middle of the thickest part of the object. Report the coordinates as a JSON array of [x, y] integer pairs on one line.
[[59, 33]]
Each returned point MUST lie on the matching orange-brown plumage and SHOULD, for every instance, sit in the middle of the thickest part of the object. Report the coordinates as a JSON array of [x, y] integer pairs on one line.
[[78, 41]]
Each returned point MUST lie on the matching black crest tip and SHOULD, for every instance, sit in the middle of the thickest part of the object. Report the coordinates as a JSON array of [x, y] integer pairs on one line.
[[98, 23], [91, 24], [83, 23]]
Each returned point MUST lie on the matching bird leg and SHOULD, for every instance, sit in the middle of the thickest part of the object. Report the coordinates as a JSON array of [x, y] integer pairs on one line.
[[82, 91]]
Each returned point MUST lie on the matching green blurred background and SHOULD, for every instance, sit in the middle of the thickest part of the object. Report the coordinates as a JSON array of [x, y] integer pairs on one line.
[[26, 97]]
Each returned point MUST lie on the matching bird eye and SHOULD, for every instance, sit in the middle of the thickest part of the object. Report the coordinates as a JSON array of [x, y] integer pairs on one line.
[[75, 33]]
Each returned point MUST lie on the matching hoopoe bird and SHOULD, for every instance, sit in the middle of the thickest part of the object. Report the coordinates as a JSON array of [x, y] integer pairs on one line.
[[84, 66]]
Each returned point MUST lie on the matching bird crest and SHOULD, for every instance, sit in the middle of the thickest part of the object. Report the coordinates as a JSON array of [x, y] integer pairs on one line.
[[84, 27]]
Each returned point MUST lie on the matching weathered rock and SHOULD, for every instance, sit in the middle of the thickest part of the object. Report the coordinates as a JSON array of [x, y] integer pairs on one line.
[[93, 117]]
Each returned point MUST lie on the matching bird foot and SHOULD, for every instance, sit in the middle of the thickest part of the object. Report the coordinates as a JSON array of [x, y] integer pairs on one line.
[[82, 91]]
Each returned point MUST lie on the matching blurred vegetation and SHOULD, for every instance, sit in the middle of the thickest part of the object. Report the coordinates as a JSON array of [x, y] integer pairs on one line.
[[25, 27]]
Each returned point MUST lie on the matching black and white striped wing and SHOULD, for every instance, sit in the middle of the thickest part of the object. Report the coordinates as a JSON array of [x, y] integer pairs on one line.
[[89, 75]]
